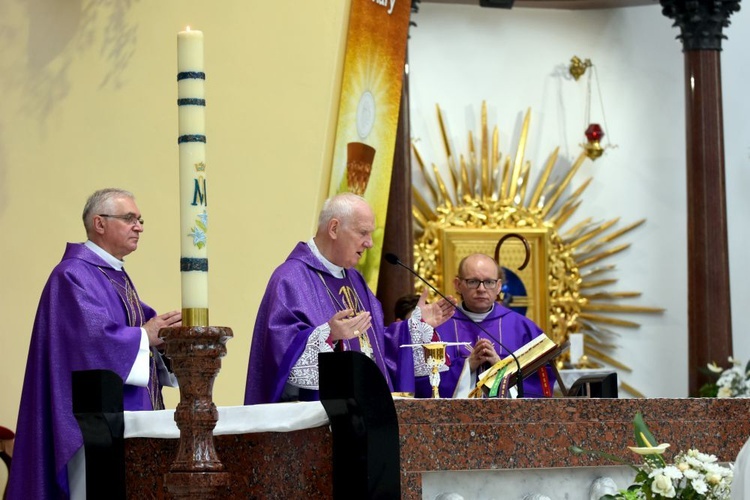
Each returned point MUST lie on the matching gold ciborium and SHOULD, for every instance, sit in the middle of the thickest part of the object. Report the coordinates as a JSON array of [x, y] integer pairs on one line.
[[434, 355]]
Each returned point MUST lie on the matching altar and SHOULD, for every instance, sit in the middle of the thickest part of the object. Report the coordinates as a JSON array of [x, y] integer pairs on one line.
[[483, 442]]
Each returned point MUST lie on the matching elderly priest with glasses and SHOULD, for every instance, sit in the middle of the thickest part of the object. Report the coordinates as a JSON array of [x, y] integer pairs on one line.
[[489, 327], [317, 302], [89, 318]]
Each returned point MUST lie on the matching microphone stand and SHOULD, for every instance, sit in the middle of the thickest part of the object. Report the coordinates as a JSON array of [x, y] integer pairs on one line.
[[393, 260]]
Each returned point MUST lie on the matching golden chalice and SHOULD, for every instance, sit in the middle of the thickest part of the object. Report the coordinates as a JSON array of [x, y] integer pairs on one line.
[[434, 355]]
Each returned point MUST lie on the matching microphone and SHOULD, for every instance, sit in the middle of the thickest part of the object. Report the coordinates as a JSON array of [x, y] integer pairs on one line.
[[393, 260]]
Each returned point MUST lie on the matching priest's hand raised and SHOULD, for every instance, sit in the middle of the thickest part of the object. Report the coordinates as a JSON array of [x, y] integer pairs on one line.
[[345, 325], [152, 326], [437, 313]]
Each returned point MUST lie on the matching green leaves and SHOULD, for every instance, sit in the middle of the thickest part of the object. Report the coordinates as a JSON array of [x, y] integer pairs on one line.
[[643, 436], [577, 450], [645, 439]]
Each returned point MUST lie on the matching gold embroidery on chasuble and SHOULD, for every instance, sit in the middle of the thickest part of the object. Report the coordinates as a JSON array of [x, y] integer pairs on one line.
[[348, 298], [136, 317], [351, 301]]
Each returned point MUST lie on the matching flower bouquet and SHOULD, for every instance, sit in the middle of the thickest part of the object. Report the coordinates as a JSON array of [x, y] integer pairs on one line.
[[691, 475], [734, 382]]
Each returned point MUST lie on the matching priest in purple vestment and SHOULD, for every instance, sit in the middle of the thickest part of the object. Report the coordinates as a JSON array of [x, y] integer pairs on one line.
[[483, 322], [89, 317], [317, 302]]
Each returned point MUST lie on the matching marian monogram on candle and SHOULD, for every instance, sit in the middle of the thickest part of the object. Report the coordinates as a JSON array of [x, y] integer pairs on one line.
[[200, 227]]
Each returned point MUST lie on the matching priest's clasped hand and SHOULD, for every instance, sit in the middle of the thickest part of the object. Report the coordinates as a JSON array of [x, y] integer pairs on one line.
[[483, 352], [437, 313], [344, 325], [152, 326]]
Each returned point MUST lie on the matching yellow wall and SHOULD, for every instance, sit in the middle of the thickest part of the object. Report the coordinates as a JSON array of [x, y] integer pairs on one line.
[[89, 100]]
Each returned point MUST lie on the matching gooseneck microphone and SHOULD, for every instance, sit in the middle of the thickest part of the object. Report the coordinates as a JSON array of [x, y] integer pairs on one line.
[[392, 259]]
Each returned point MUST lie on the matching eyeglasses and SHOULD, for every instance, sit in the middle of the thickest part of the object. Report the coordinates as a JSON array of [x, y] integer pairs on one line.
[[131, 219], [472, 283]]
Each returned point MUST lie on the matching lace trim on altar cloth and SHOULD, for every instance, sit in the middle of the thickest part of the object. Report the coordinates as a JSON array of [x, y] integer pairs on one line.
[[304, 373], [421, 333]]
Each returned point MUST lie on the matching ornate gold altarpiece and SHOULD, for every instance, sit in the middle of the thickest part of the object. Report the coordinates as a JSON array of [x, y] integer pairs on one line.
[[488, 195]]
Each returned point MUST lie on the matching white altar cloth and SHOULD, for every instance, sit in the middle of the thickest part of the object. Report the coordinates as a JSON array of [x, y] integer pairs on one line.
[[276, 417]]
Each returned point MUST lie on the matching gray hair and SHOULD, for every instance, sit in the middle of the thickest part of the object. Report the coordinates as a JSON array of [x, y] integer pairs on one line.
[[340, 206], [101, 202]]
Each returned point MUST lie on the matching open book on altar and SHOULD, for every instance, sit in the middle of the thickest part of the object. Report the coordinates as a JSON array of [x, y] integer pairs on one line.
[[531, 356]]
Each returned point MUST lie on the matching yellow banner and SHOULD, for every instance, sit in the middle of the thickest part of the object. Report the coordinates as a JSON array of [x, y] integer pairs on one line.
[[369, 109]]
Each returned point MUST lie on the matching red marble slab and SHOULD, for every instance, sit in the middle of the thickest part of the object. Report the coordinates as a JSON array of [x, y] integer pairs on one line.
[[501, 434], [459, 435], [266, 465]]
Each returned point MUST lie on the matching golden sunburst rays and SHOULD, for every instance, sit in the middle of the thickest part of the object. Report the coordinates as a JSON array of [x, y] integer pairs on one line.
[[485, 190]]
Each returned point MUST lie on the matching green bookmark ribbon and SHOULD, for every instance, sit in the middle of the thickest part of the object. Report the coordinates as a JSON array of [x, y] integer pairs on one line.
[[496, 384]]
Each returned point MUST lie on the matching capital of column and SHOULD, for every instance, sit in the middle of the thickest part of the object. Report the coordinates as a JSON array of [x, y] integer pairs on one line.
[[700, 21]]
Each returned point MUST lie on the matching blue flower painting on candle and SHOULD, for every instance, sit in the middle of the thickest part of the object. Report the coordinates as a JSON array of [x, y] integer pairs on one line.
[[198, 232]]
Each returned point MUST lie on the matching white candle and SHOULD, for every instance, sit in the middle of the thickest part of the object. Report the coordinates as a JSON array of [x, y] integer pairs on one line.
[[193, 198], [576, 348]]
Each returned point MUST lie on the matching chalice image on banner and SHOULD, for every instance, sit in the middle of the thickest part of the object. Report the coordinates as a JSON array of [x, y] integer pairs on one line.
[[359, 158]]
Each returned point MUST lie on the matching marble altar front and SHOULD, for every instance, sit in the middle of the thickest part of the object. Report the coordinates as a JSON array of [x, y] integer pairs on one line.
[[447, 445]]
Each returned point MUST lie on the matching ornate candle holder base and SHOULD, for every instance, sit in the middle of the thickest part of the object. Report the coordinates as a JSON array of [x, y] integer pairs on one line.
[[196, 354]]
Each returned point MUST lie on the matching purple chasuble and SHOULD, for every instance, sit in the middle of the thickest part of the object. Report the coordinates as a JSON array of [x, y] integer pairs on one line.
[[301, 296], [136, 317], [509, 327], [398, 358], [81, 324]]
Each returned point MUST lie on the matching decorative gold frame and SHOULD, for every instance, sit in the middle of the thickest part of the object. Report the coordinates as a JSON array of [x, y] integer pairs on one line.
[[457, 243], [490, 196]]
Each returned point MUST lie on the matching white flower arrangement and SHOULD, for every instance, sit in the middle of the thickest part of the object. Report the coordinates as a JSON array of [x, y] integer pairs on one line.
[[733, 382], [692, 475]]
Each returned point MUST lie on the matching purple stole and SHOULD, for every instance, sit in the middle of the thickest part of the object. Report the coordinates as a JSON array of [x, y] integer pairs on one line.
[[134, 311]]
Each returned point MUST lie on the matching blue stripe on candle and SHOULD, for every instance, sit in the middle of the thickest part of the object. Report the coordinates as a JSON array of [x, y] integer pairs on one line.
[[191, 75], [191, 102], [193, 264], [191, 138]]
